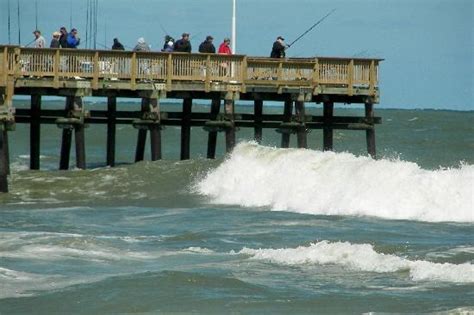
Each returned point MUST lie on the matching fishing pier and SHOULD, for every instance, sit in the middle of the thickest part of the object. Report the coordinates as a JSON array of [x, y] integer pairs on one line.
[[154, 77]]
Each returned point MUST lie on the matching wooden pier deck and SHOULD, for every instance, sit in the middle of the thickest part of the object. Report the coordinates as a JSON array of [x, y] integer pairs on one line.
[[154, 76]]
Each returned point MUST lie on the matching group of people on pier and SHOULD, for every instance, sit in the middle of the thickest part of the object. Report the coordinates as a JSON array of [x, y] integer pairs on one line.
[[65, 39]]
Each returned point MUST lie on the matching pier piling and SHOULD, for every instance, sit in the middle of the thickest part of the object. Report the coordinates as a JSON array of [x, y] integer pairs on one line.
[[328, 111], [186, 128], [111, 129], [35, 131], [286, 132], [4, 159], [258, 119], [230, 130], [370, 133], [212, 137], [301, 132]]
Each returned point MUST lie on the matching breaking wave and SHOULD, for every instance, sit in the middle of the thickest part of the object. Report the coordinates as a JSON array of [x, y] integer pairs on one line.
[[363, 257], [328, 183]]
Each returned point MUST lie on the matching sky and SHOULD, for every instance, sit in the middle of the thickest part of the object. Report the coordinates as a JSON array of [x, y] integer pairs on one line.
[[427, 45]]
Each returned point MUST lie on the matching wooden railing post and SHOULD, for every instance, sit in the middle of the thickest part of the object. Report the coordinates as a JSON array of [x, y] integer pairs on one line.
[[169, 73], [133, 70], [57, 59], [315, 76], [372, 78], [4, 69], [95, 67], [207, 85], [350, 78], [244, 74]]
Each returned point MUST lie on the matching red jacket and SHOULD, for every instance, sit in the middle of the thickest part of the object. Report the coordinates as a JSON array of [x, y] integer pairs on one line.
[[225, 49]]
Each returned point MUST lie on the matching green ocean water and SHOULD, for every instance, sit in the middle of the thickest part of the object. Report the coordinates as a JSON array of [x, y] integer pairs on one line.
[[261, 231]]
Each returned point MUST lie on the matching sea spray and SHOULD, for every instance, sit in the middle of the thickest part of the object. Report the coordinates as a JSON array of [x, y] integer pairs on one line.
[[363, 257], [328, 183]]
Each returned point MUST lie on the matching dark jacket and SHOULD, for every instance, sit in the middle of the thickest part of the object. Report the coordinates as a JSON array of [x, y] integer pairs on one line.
[[278, 50], [54, 43], [63, 40], [207, 47], [182, 45], [117, 45]]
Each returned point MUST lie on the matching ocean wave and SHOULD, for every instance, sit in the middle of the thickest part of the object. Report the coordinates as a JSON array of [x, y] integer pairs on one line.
[[363, 257], [328, 183]]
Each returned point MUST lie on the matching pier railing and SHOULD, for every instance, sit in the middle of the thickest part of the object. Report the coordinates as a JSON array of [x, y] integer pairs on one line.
[[169, 68]]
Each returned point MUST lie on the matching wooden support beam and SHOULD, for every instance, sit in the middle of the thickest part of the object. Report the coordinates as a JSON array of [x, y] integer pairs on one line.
[[155, 130], [79, 137], [141, 141], [35, 132], [258, 119], [66, 139], [186, 128], [301, 133], [111, 129], [370, 133], [287, 113], [230, 132], [4, 160], [328, 110], [212, 137]]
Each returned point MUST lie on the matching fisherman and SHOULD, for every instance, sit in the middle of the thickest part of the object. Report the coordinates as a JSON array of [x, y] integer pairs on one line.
[[117, 45], [169, 44], [141, 45], [183, 44], [224, 47], [207, 46], [278, 49], [39, 41], [73, 39], [63, 37], [55, 41]]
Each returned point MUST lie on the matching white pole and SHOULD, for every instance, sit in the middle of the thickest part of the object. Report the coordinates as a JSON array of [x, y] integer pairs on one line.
[[233, 45]]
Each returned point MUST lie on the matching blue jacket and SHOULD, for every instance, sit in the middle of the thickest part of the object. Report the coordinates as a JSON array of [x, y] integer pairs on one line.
[[72, 41]]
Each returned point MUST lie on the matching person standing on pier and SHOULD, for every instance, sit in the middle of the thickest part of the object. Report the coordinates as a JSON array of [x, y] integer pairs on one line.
[[117, 45], [183, 44], [73, 39], [224, 48], [55, 41], [278, 49], [207, 46], [169, 44], [63, 37], [141, 45], [39, 41]]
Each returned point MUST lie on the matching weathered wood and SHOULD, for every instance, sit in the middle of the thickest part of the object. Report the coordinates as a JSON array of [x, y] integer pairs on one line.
[[328, 109], [65, 149], [66, 139], [35, 131], [287, 113], [4, 160], [155, 142], [212, 137], [301, 132], [230, 131], [155, 130], [186, 128], [79, 136], [111, 129], [258, 119], [141, 141], [370, 133]]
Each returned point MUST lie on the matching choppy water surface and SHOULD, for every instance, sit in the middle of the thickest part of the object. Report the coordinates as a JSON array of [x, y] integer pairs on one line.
[[264, 230]]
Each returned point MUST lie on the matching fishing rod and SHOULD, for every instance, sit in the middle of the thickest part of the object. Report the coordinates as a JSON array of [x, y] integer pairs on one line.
[[309, 29], [9, 25]]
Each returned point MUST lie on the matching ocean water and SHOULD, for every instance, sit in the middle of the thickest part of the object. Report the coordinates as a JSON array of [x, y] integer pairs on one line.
[[263, 230]]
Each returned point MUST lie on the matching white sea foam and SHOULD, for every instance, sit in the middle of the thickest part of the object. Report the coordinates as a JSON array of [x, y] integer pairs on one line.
[[363, 257], [331, 183]]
